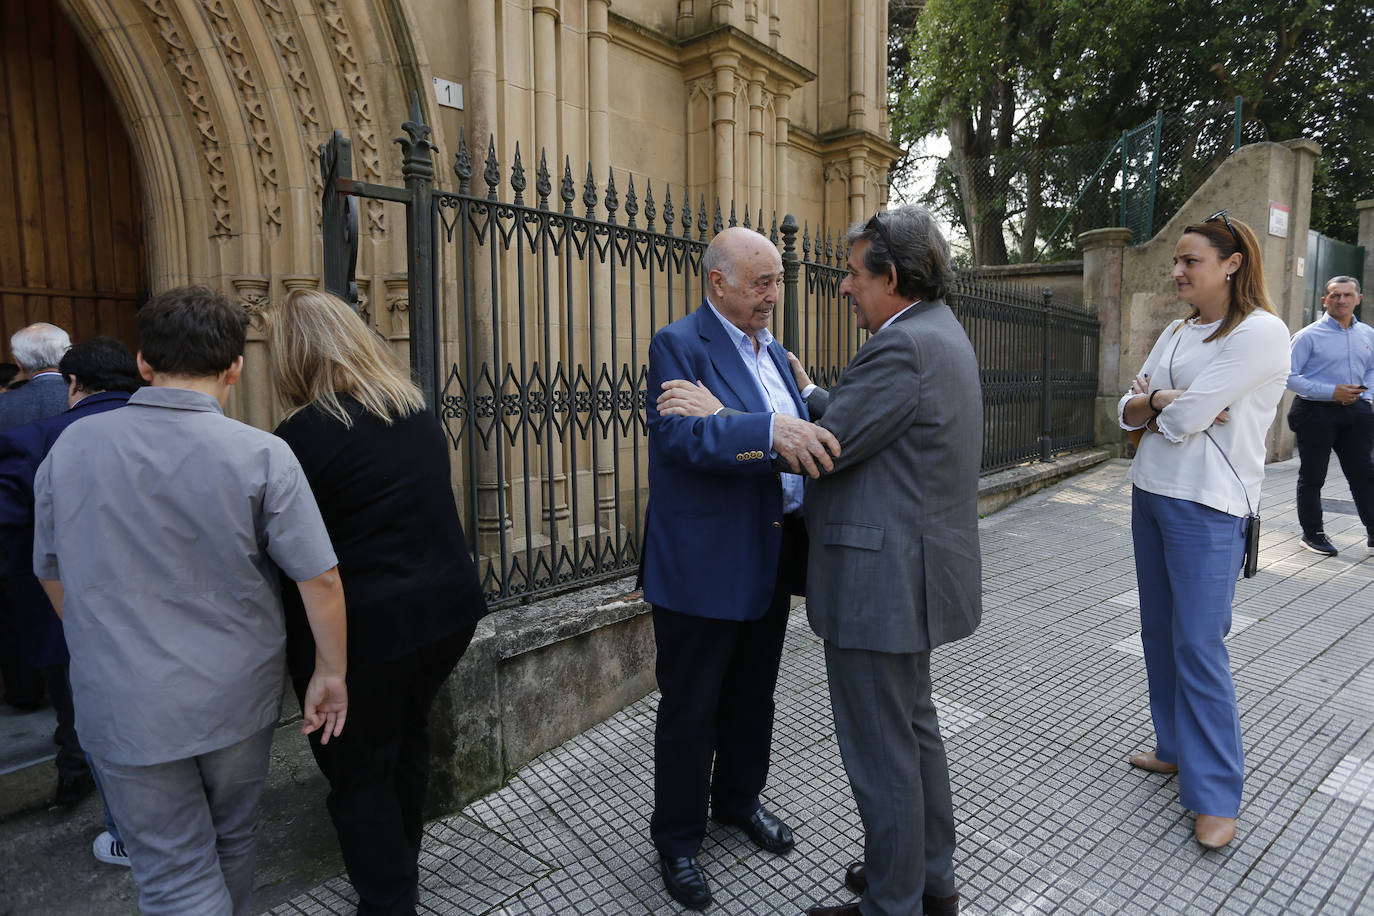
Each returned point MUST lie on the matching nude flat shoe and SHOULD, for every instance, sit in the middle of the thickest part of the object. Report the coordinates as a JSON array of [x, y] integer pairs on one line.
[[1146, 760], [1214, 832]]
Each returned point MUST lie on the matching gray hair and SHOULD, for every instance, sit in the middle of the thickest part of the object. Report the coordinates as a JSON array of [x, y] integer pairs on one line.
[[909, 239], [1327, 287], [39, 346]]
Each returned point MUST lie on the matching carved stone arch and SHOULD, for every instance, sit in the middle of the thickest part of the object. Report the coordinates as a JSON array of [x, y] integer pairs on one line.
[[225, 103]]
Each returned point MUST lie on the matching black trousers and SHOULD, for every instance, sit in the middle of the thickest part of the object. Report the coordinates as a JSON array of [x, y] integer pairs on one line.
[[716, 680], [1320, 427], [71, 757], [378, 772]]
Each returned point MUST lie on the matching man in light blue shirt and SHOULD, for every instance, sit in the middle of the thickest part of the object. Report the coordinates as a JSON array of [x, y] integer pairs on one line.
[[1333, 376]]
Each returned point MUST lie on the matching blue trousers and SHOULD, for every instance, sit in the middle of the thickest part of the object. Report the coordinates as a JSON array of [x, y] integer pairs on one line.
[[1187, 557]]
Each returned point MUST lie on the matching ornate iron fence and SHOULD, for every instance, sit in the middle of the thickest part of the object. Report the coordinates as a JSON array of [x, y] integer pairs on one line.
[[533, 342]]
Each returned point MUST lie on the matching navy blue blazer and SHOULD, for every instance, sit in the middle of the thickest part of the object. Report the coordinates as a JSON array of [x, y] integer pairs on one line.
[[22, 450], [713, 529]]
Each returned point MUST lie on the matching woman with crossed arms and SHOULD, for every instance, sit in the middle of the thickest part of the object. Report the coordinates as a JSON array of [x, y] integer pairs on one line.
[[1204, 401]]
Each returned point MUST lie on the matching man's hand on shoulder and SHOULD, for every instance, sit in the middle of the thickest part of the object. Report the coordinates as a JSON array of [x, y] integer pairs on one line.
[[798, 371], [806, 447], [680, 398]]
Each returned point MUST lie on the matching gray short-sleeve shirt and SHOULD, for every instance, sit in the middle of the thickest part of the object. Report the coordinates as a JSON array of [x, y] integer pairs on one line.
[[166, 523]]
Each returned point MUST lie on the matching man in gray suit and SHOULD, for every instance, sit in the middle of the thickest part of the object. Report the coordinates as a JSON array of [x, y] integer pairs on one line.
[[37, 349], [894, 567]]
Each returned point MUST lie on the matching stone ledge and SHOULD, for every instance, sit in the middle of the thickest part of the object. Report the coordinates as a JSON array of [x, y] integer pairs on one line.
[[997, 491], [538, 674]]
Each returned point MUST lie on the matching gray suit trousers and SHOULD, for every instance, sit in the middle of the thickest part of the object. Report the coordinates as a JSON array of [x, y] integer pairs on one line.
[[890, 741]]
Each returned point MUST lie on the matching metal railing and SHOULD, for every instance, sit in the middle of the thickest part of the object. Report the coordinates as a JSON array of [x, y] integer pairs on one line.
[[536, 361]]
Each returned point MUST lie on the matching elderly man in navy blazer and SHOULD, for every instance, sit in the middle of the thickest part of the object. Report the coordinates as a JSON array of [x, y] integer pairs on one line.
[[725, 548], [37, 349]]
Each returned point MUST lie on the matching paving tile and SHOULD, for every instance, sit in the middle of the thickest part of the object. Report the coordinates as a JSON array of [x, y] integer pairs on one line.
[[1039, 710]]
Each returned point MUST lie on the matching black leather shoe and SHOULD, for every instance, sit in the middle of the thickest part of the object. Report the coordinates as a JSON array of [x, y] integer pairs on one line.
[[686, 881], [856, 879], [844, 909], [765, 829]]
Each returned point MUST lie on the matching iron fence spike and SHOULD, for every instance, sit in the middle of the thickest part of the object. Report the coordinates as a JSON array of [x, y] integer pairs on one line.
[[492, 173], [567, 190], [543, 185], [517, 176], [631, 201], [589, 192]]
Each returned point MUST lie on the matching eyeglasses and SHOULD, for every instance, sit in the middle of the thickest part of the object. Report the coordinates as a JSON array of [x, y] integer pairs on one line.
[[1221, 215]]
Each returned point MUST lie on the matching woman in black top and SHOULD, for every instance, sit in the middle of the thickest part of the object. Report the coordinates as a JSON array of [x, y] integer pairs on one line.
[[378, 463]]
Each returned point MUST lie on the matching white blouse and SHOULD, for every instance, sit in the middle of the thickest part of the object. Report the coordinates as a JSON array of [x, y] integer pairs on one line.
[[1245, 371]]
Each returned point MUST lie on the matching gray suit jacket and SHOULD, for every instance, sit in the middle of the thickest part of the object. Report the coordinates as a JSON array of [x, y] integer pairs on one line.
[[43, 397], [894, 563]]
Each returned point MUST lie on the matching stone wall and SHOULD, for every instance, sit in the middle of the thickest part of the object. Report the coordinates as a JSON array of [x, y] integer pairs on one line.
[[1135, 296], [1065, 278]]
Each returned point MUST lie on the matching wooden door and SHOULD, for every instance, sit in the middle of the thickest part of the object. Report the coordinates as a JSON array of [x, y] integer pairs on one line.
[[71, 218]]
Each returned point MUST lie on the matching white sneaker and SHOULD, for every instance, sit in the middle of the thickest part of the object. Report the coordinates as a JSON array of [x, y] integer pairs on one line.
[[109, 850]]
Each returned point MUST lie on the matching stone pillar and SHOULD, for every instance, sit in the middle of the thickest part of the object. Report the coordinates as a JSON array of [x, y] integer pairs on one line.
[[547, 139], [598, 91], [859, 209], [1365, 209], [754, 199], [857, 64], [783, 125], [492, 511], [1103, 251], [723, 127], [545, 80], [598, 129]]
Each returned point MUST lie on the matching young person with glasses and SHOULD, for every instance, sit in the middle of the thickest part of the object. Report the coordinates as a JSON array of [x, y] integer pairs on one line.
[[1206, 396]]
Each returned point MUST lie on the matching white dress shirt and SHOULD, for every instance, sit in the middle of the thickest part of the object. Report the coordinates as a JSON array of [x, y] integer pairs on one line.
[[771, 385]]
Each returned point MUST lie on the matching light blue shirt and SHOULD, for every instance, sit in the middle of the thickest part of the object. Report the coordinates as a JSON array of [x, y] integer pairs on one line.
[[771, 385], [1326, 355]]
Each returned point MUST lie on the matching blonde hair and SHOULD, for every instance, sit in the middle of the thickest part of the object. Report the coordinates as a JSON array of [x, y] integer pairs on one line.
[[1248, 291], [318, 349]]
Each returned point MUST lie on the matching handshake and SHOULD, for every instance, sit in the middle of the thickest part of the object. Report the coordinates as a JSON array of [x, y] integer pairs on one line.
[[805, 447]]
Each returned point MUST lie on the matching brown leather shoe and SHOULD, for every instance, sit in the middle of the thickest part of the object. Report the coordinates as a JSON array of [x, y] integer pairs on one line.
[[844, 909], [1146, 760], [1214, 832]]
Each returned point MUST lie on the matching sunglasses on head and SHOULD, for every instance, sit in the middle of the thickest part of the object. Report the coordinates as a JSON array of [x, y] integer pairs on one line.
[[1221, 215], [881, 228]]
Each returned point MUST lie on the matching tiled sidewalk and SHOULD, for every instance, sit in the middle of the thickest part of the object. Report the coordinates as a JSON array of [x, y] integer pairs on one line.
[[1039, 709]]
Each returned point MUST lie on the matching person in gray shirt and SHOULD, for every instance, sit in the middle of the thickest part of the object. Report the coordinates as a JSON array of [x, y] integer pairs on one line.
[[159, 530]]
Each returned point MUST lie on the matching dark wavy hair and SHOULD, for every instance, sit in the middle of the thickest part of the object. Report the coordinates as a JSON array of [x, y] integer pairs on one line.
[[101, 364], [191, 331], [908, 239]]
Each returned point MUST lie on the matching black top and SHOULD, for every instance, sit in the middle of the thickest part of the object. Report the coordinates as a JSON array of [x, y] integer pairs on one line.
[[386, 498]]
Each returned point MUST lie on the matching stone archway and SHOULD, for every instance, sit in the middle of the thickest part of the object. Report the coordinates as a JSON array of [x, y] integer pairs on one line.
[[225, 105]]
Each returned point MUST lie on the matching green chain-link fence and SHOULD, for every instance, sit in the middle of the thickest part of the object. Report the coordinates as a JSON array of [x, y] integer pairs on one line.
[[1025, 205]]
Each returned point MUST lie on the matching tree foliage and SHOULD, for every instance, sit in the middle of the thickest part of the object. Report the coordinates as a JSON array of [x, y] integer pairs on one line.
[[1001, 78]]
